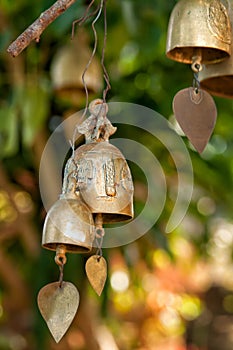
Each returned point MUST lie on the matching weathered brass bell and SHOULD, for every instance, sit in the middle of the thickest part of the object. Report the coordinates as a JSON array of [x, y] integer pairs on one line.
[[199, 28], [104, 181], [69, 222], [103, 176], [217, 79]]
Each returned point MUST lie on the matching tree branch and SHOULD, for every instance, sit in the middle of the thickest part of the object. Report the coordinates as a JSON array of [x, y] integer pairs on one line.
[[34, 31]]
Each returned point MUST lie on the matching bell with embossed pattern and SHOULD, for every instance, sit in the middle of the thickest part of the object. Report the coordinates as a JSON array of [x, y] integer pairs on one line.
[[199, 28], [217, 79], [103, 176]]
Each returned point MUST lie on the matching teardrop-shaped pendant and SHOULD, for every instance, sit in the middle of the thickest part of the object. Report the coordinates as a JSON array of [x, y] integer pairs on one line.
[[58, 304], [96, 270], [196, 113]]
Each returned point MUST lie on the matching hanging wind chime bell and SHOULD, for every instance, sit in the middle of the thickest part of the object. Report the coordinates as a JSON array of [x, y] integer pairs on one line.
[[69, 222], [97, 189], [68, 227], [217, 79], [199, 28], [199, 32], [104, 182], [104, 179]]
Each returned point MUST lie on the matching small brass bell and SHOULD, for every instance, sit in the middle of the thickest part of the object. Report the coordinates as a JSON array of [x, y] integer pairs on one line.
[[199, 28], [217, 79], [69, 222], [67, 70], [103, 176]]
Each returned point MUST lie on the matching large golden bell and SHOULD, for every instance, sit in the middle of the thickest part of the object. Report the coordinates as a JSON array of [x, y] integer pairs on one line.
[[199, 28], [104, 181], [69, 222], [217, 79]]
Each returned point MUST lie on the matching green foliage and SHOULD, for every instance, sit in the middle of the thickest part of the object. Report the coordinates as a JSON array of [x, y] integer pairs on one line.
[[35, 111], [9, 138]]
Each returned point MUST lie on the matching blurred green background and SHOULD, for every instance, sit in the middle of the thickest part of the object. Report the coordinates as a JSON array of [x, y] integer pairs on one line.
[[168, 292]]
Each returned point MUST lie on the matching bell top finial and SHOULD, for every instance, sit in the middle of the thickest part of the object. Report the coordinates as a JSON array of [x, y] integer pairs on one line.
[[97, 127]]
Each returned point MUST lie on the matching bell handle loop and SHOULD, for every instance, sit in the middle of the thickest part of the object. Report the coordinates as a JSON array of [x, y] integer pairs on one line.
[[60, 258], [196, 64]]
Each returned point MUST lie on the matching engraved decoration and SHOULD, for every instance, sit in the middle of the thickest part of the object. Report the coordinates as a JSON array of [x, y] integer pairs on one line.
[[218, 21], [84, 172], [109, 171]]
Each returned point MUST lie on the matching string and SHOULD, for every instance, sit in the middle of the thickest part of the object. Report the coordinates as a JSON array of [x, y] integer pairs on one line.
[[196, 82], [99, 9], [61, 268], [83, 18], [106, 76]]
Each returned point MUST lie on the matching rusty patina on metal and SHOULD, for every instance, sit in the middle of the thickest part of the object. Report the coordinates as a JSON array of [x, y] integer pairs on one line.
[[196, 113]]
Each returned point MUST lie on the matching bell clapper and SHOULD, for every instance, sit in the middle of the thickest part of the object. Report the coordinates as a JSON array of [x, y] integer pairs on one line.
[[60, 260], [99, 235]]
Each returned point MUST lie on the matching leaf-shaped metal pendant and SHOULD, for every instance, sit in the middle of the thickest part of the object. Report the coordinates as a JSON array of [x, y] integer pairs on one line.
[[96, 269], [58, 306], [196, 113]]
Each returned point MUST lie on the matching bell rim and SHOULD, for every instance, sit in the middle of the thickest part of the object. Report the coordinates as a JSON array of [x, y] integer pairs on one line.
[[70, 248], [173, 54], [227, 93]]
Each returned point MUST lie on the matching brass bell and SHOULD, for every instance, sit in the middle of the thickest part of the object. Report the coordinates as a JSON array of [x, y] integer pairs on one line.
[[67, 69], [199, 28], [69, 222], [104, 181], [103, 176], [217, 79]]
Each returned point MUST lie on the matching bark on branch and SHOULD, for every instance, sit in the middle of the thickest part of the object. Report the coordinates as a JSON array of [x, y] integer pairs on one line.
[[34, 31]]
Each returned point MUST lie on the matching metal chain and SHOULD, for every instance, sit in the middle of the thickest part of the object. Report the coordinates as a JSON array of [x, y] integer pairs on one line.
[[99, 237], [196, 83], [196, 68], [99, 234]]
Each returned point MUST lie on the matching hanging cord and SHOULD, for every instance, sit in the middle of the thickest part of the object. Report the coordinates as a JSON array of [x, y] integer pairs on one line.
[[196, 83], [99, 234], [100, 8], [106, 76], [60, 260], [84, 18]]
